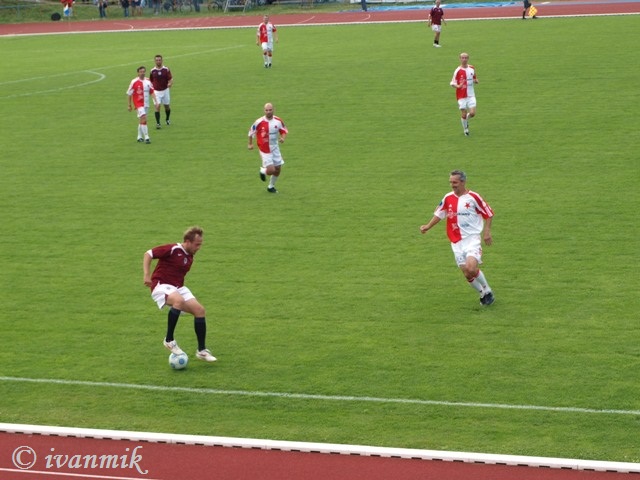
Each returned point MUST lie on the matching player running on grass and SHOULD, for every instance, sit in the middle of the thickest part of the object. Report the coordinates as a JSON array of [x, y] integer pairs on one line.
[[468, 216], [269, 132], [464, 78]]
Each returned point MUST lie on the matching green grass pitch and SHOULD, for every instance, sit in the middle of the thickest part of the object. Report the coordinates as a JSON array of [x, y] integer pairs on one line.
[[328, 288]]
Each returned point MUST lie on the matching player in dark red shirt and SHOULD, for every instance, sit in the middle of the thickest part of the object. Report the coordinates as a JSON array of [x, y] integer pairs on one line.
[[167, 288], [435, 20], [162, 81]]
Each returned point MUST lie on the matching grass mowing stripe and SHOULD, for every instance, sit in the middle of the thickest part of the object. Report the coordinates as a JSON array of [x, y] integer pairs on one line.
[[308, 396]]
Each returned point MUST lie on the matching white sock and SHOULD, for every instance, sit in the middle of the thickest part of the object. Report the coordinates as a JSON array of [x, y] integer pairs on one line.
[[272, 181], [465, 123], [263, 170], [139, 131], [476, 284], [480, 284], [145, 131], [483, 281]]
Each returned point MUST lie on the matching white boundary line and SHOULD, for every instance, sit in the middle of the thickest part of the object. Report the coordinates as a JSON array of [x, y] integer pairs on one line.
[[324, 448], [66, 474], [101, 76], [308, 396]]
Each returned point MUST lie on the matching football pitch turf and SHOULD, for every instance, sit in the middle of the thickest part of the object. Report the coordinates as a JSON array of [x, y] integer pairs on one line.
[[333, 319]]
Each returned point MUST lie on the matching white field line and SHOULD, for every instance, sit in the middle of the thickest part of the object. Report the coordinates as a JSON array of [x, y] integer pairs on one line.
[[101, 76], [328, 398], [94, 71], [64, 475]]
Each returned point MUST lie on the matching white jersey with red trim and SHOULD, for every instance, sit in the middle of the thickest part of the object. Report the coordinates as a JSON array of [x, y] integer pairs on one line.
[[266, 132], [265, 32], [465, 76], [465, 214], [139, 91]]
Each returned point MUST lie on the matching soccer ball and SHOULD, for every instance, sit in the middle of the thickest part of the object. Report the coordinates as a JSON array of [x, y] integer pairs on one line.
[[179, 361]]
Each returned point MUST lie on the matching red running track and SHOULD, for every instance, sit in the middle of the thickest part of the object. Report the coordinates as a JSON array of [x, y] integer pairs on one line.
[[309, 17], [127, 459]]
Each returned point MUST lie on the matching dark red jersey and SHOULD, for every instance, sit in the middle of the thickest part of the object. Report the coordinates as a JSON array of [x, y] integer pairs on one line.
[[173, 265], [435, 15], [160, 77]]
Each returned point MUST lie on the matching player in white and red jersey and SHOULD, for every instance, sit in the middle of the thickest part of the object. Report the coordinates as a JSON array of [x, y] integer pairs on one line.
[[162, 81], [167, 288], [468, 217], [265, 35], [138, 94], [269, 132], [463, 81]]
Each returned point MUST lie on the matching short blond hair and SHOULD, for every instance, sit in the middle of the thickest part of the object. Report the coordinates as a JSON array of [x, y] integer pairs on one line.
[[191, 233]]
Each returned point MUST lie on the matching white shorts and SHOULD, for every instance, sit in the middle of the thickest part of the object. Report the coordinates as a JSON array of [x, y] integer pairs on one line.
[[142, 111], [267, 46], [273, 158], [467, 247], [436, 28], [163, 97], [161, 291], [467, 103]]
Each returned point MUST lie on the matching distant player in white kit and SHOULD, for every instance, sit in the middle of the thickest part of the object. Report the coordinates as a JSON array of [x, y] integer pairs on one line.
[[138, 94], [265, 36], [269, 131], [463, 81], [468, 216]]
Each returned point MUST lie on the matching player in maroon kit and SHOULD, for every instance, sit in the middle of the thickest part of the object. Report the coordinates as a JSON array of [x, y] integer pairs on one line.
[[435, 20], [162, 81], [468, 218], [167, 288]]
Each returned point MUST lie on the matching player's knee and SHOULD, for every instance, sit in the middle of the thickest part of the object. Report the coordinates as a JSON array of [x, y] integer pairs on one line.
[[470, 271], [176, 302], [199, 311]]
